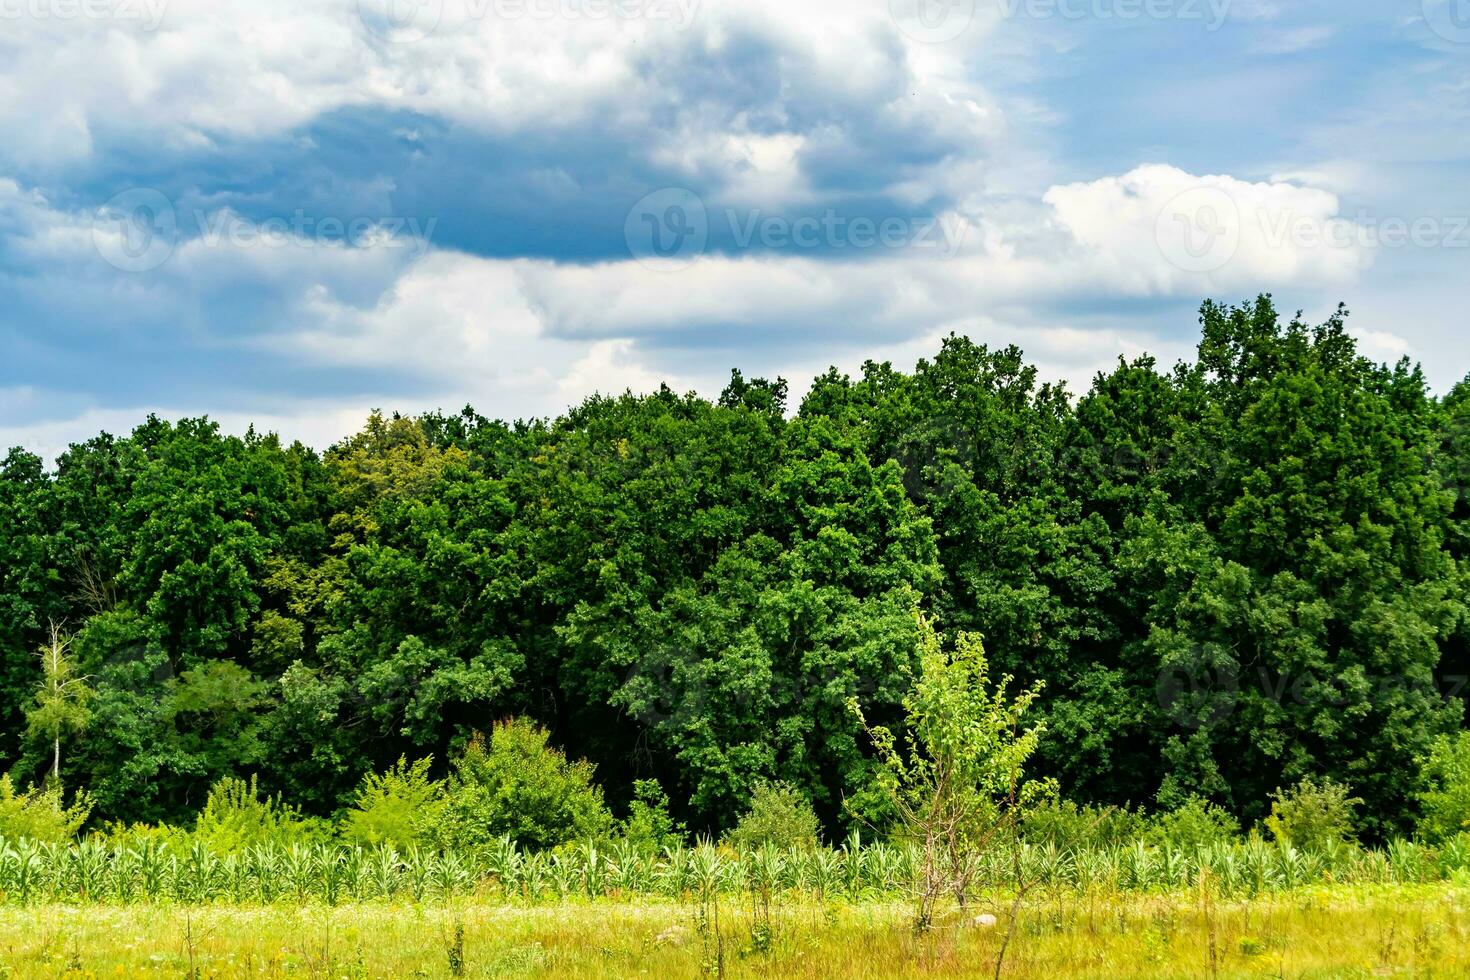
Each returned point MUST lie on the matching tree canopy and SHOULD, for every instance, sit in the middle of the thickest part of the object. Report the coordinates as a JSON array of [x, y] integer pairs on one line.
[[1230, 575]]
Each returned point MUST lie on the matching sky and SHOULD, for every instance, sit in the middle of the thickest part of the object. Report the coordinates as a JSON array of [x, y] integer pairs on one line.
[[291, 212]]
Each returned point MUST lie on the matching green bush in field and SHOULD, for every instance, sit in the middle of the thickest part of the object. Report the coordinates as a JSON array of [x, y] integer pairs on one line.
[[1444, 798], [40, 814], [1194, 824], [1067, 825], [649, 826], [1312, 814], [515, 784], [780, 816], [144, 835], [235, 817], [400, 807]]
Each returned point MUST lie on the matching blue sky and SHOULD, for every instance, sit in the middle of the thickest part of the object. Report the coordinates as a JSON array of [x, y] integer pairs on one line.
[[293, 212]]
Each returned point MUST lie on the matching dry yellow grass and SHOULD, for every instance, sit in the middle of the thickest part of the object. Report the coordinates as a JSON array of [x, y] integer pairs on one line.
[[1321, 932]]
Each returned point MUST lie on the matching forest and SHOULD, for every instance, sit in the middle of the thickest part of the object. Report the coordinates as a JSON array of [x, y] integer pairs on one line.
[[1227, 576]]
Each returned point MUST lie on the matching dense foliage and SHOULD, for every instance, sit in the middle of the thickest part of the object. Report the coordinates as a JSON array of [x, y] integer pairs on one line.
[[1230, 575]]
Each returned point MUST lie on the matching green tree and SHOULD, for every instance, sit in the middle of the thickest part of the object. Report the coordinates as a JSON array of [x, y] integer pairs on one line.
[[1444, 791], [235, 816], [40, 814], [957, 777], [400, 807], [1313, 814], [648, 825], [516, 784], [779, 816], [62, 698]]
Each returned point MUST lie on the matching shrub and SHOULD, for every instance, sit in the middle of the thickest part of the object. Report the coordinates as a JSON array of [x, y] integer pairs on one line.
[[779, 815], [1312, 814], [138, 834], [1444, 795], [1195, 824], [40, 814], [515, 784], [400, 807], [959, 780], [649, 825], [235, 817], [1067, 825]]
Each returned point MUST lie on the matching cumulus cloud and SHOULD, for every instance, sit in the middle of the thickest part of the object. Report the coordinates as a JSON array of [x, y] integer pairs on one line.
[[1159, 229], [525, 336], [1155, 231], [439, 212]]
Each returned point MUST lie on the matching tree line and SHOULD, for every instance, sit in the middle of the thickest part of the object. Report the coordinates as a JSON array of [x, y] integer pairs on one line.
[[1228, 575]]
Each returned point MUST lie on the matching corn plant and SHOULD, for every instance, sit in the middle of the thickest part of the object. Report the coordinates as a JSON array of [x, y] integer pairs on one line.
[[152, 870]]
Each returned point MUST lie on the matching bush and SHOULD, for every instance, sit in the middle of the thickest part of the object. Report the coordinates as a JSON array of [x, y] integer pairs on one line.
[[1311, 815], [40, 814], [649, 826], [1195, 824], [779, 815], [1444, 796], [235, 817], [1067, 825], [138, 834], [400, 807], [517, 785]]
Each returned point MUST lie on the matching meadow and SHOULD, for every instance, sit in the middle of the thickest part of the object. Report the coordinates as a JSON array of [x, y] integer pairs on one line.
[[1315, 931], [1251, 908]]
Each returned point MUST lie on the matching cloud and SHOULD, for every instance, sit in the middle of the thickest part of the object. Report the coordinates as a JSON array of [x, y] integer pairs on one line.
[[238, 317], [1160, 229], [492, 166], [702, 101]]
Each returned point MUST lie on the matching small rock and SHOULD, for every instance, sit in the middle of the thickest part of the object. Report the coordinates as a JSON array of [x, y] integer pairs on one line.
[[672, 936], [983, 921]]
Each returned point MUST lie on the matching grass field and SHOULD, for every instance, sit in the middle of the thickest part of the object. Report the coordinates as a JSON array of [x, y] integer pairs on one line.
[[1324, 931]]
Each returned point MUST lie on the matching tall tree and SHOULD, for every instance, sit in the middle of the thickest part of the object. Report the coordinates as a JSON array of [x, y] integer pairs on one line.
[[61, 698]]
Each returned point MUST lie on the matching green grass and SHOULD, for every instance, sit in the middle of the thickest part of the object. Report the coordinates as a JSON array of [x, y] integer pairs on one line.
[[1319, 931]]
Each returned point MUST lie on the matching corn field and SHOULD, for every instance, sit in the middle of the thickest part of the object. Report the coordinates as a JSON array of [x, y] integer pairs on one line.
[[99, 871]]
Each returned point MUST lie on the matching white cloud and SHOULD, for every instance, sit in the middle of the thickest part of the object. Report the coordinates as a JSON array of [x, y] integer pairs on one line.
[[1380, 345], [1158, 229], [1117, 236], [464, 325], [314, 422]]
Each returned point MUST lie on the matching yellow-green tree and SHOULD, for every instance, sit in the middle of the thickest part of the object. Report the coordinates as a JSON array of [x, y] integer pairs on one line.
[[957, 778], [61, 698]]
